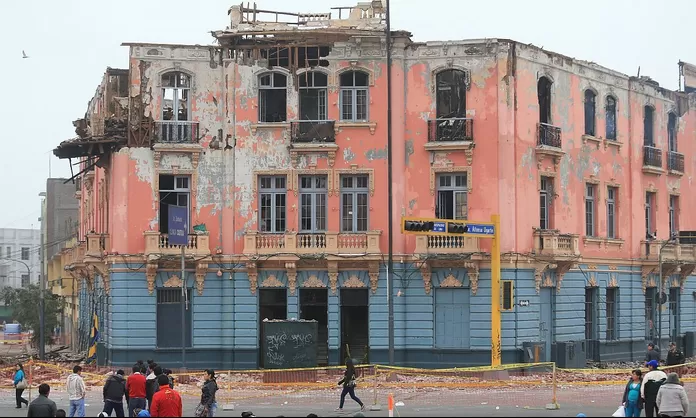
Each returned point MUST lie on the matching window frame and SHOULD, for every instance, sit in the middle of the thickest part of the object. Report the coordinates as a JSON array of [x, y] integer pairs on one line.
[[612, 323], [612, 194], [673, 216], [590, 210], [354, 192], [546, 108], [590, 109], [313, 192], [651, 307], [611, 114], [24, 250], [593, 322], [274, 192], [188, 315], [267, 88], [672, 130], [354, 90], [546, 184], [507, 304], [185, 91], [462, 190], [441, 87], [648, 126], [650, 198], [322, 102], [177, 190]]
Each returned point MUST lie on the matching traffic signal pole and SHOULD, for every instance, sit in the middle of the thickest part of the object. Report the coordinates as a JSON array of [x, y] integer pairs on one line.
[[462, 228]]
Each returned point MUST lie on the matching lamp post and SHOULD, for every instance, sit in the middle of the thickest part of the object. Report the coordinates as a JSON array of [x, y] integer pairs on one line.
[[390, 209]]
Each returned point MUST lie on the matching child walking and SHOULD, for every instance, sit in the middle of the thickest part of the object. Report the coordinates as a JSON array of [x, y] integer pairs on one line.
[[348, 383]]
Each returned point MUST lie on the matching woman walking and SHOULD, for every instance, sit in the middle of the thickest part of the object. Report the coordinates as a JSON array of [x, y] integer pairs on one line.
[[208, 405], [632, 401], [348, 383], [20, 384]]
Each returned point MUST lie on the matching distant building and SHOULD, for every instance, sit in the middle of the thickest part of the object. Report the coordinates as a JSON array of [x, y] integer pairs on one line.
[[60, 220], [19, 257]]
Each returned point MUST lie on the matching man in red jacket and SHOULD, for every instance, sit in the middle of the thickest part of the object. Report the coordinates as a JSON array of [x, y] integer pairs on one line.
[[135, 388], [166, 402]]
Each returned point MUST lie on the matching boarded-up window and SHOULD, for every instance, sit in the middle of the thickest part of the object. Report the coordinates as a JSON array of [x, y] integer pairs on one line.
[[169, 327]]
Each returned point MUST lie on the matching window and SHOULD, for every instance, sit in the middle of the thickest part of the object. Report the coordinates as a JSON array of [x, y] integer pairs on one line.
[[589, 112], [612, 193], [648, 126], [25, 280], [590, 221], [611, 118], [591, 313], [313, 195], [612, 302], [273, 90], [354, 208], [272, 194], [313, 96], [672, 131], [649, 206], [176, 96], [354, 99], [169, 326], [451, 196], [674, 313], [25, 253], [545, 207], [450, 94], [673, 216], [508, 295], [174, 191], [8, 254], [544, 96], [650, 313]]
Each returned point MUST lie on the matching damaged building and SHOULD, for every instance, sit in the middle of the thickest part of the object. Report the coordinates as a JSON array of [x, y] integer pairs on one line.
[[275, 141]]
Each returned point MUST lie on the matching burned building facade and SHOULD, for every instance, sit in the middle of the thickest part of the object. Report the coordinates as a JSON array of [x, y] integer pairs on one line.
[[275, 140]]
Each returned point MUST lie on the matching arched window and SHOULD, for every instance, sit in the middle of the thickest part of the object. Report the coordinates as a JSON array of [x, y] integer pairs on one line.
[[451, 94], [672, 131], [611, 118], [648, 117], [354, 96], [544, 96], [589, 112], [175, 96], [313, 96], [273, 90]]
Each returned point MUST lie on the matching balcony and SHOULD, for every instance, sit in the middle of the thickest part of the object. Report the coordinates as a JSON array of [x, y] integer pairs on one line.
[[675, 162], [291, 243], [551, 243], [672, 252], [176, 132], [312, 136], [97, 245], [548, 143], [76, 254], [158, 243], [441, 244], [652, 160]]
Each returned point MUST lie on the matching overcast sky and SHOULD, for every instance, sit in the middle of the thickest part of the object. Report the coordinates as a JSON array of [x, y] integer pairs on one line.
[[71, 42]]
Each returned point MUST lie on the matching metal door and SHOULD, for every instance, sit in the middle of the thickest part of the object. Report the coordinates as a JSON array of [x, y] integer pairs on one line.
[[546, 325]]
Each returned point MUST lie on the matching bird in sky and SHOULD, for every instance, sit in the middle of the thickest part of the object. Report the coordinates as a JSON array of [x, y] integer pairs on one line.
[[24, 54]]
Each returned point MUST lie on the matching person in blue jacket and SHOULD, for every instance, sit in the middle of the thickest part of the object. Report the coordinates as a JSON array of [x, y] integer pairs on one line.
[[18, 380]]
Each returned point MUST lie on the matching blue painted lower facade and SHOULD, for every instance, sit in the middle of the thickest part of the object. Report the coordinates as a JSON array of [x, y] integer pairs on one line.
[[447, 326]]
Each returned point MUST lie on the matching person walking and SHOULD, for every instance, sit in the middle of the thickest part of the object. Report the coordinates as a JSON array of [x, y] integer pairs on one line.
[[166, 402], [632, 401], [672, 399], [348, 383], [652, 381], [42, 406], [76, 393], [20, 384], [208, 405], [135, 389], [114, 391]]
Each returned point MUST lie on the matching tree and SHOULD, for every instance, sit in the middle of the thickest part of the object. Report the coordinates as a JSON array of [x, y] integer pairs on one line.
[[25, 306]]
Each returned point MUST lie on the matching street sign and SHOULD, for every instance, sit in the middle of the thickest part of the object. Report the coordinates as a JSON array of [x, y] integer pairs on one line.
[[438, 227], [523, 302], [480, 229], [178, 225]]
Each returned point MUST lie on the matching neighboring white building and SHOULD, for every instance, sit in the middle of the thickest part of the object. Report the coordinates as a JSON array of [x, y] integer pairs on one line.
[[17, 248]]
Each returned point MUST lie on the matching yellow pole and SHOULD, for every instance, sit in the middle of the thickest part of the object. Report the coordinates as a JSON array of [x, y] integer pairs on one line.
[[554, 384], [496, 349]]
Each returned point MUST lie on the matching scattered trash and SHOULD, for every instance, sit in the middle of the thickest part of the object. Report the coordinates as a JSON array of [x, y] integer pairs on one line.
[[399, 404]]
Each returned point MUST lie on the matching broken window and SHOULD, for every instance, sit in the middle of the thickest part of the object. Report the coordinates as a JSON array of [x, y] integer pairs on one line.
[[175, 96], [544, 94], [611, 118], [672, 131], [450, 94], [313, 96], [173, 191], [589, 112], [313, 195], [272, 194], [273, 89], [452, 196], [354, 102], [293, 57], [648, 126], [354, 207]]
